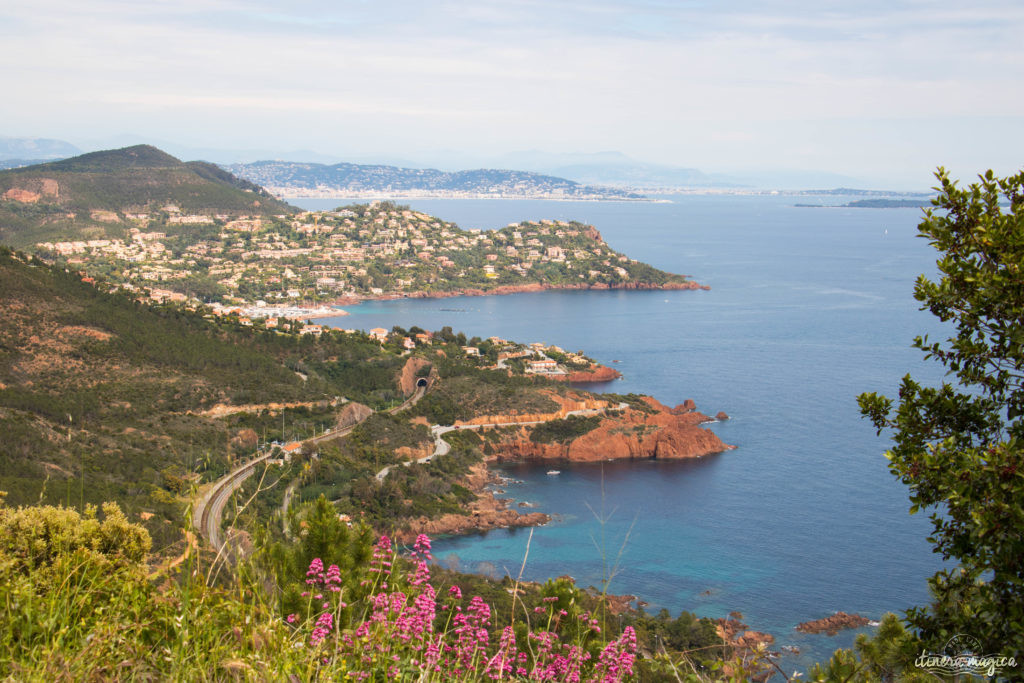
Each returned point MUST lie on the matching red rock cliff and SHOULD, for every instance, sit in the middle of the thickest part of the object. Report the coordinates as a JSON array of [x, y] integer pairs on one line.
[[566, 403], [664, 433], [407, 380], [596, 373]]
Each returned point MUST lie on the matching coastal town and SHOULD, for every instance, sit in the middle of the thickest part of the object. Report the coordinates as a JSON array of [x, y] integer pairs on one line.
[[297, 266]]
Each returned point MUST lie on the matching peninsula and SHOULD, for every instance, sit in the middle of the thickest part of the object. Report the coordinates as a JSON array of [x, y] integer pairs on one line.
[[106, 396], [144, 220], [362, 181]]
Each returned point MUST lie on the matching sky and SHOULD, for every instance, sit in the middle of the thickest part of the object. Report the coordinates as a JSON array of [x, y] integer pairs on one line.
[[883, 91]]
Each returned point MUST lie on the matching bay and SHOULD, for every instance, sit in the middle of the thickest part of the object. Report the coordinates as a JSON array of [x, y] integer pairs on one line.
[[808, 307]]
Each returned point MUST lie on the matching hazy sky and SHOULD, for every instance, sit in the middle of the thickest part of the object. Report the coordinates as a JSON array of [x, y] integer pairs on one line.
[[877, 89]]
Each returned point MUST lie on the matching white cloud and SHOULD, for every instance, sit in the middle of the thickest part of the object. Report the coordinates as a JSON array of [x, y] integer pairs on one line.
[[681, 82]]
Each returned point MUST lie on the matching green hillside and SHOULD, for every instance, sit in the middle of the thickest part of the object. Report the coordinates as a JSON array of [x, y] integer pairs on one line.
[[102, 194], [101, 397], [104, 398]]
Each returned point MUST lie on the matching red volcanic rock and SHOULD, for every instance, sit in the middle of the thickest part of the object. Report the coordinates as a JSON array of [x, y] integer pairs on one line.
[[567, 404], [630, 434], [517, 289], [486, 512], [407, 380], [721, 415], [352, 413], [833, 624], [16, 194], [596, 373]]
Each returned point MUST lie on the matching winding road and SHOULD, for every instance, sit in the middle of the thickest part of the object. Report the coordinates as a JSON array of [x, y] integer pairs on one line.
[[208, 512], [209, 508]]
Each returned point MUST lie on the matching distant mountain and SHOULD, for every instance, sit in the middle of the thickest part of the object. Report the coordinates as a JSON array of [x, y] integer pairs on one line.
[[617, 169], [88, 196], [289, 178], [611, 168], [36, 148]]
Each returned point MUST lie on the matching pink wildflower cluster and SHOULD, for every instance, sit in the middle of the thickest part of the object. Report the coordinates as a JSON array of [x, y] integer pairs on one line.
[[319, 582], [380, 563], [470, 629], [322, 629], [317, 578], [616, 659], [402, 637]]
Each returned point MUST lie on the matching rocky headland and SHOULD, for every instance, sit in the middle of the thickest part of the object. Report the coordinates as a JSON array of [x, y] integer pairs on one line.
[[657, 432], [833, 624], [595, 373]]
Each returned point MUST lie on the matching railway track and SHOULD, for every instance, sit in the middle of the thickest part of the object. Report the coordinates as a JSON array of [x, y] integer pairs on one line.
[[209, 509]]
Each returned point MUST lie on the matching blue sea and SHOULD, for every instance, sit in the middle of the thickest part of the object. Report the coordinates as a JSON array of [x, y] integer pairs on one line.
[[808, 307]]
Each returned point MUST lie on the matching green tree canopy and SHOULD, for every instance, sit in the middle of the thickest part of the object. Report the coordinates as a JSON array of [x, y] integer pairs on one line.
[[958, 446]]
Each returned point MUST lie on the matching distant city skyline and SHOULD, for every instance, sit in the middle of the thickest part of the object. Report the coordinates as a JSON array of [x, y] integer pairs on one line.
[[881, 92]]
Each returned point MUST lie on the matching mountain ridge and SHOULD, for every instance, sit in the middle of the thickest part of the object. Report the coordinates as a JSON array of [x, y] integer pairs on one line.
[[90, 196], [293, 178]]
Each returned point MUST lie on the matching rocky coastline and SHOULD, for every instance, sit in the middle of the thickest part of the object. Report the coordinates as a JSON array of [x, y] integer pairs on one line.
[[485, 513], [832, 625], [657, 432], [595, 374], [515, 289]]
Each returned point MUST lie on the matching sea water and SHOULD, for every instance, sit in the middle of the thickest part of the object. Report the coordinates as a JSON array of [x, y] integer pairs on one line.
[[808, 307]]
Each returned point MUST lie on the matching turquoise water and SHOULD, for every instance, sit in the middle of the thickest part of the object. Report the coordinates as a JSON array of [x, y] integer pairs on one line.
[[808, 308]]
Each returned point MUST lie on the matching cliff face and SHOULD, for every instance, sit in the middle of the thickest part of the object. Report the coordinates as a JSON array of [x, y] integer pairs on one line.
[[598, 373], [407, 379], [664, 433], [352, 413], [568, 404]]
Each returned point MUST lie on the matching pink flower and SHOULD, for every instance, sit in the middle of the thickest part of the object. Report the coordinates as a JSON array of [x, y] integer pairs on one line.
[[323, 627]]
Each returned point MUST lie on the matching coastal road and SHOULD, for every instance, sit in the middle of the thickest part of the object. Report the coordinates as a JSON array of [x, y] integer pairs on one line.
[[442, 447]]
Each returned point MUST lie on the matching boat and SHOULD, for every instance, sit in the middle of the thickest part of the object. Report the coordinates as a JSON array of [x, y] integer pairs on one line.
[[553, 472]]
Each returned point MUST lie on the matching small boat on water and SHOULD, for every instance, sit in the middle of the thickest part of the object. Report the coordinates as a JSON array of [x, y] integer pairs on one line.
[[553, 472]]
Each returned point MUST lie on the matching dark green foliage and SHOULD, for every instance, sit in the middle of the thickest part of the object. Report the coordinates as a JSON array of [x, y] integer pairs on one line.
[[427, 490], [215, 173], [99, 393], [685, 633], [561, 431], [319, 533], [958, 447], [369, 380], [466, 392], [887, 655]]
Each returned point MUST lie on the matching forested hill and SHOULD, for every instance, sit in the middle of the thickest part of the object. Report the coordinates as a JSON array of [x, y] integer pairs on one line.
[[102, 397], [96, 195], [288, 178]]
